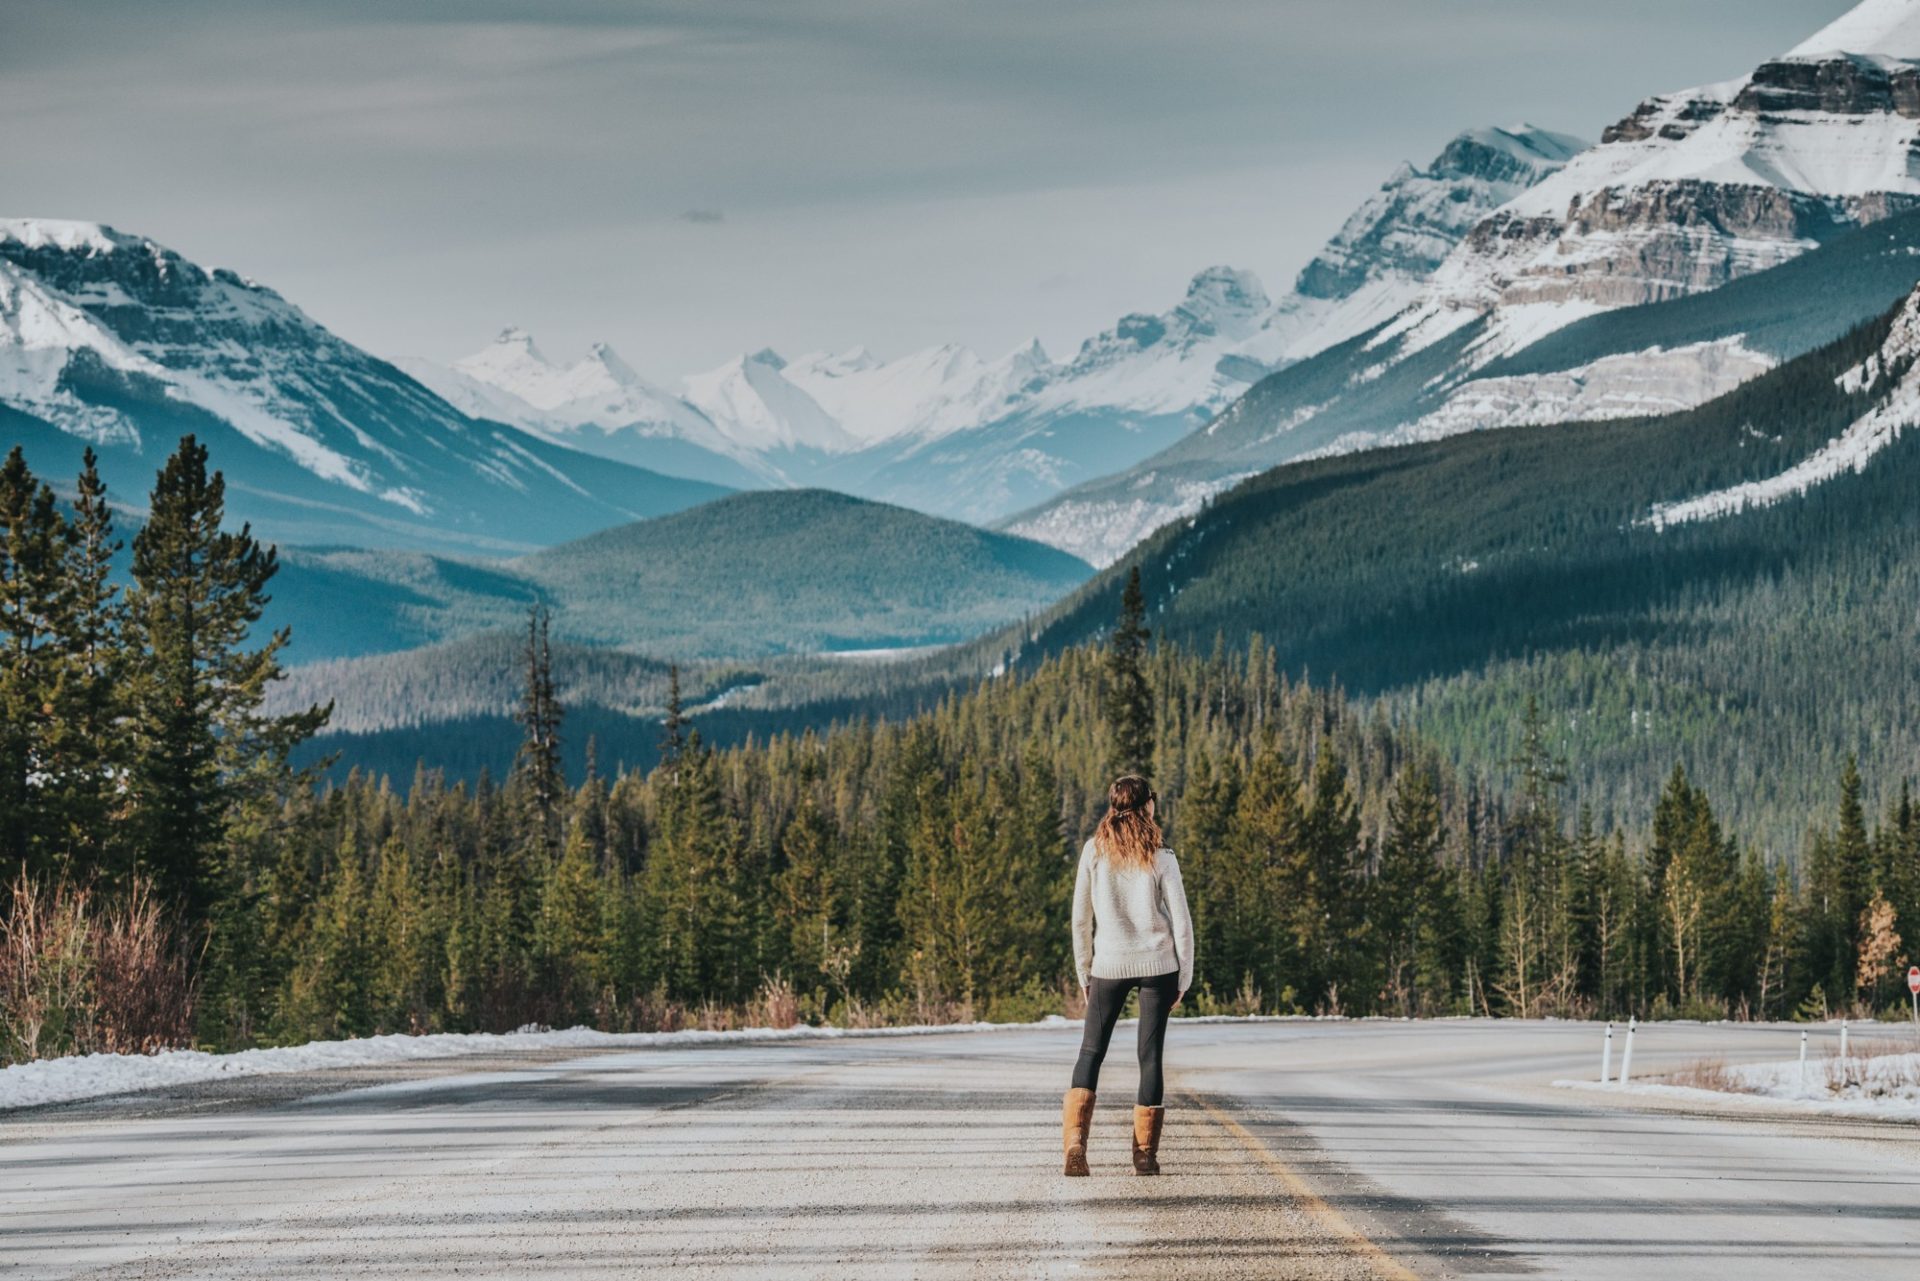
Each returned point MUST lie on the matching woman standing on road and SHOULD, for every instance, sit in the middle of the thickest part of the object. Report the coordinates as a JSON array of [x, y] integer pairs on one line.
[[1131, 930]]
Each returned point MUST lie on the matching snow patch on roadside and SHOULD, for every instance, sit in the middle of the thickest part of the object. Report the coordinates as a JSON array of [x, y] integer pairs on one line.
[[1885, 1086], [93, 1076], [96, 1075]]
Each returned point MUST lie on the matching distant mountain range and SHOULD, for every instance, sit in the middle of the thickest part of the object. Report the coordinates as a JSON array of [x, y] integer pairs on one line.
[[945, 431]]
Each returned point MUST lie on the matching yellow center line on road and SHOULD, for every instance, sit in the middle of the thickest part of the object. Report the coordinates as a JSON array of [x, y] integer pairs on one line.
[[1309, 1200]]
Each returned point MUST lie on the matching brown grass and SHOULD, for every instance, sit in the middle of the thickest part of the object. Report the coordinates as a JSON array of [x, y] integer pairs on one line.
[[1705, 1074], [81, 974]]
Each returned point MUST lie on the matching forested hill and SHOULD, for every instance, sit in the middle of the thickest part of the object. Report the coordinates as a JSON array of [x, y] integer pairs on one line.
[[1456, 577], [750, 575]]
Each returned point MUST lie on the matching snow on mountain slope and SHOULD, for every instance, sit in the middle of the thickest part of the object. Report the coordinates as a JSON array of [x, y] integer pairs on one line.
[[1628, 385], [750, 399], [1381, 258], [598, 403], [924, 394], [1893, 372], [1887, 27], [122, 342]]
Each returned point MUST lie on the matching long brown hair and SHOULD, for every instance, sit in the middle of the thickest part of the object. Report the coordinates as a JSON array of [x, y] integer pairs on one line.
[[1128, 836]]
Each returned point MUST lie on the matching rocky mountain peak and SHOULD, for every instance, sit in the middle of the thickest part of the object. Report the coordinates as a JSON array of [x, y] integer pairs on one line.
[[1408, 227], [1224, 297]]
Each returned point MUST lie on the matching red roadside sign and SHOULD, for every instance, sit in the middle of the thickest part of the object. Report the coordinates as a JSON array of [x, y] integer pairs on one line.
[[1913, 978]]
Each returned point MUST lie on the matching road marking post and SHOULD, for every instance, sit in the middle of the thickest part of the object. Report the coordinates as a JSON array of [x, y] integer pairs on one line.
[[1803, 1058], [1606, 1053], [1843, 1038], [1626, 1055], [1913, 987]]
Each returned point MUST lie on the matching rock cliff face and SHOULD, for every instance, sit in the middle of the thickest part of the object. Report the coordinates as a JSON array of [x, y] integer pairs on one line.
[[1852, 85], [1699, 187], [1419, 215]]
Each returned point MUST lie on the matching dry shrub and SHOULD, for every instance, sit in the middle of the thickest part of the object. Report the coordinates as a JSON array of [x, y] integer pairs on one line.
[[774, 1005], [1707, 1074], [143, 991], [45, 1001], [75, 979], [655, 1012]]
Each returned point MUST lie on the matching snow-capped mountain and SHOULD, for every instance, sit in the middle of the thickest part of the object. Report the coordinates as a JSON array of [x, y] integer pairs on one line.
[[923, 395], [118, 341], [757, 406], [599, 404], [1594, 292]]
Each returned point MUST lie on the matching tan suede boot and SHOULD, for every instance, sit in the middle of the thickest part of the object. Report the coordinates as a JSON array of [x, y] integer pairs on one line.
[[1076, 1118], [1146, 1139]]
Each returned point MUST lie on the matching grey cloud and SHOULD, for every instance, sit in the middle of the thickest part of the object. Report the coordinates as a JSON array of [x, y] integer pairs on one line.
[[892, 173]]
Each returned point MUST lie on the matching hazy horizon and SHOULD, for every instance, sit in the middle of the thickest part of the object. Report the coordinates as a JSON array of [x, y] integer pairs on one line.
[[691, 180]]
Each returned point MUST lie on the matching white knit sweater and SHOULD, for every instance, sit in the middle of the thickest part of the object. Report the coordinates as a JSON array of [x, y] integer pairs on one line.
[[1129, 922]]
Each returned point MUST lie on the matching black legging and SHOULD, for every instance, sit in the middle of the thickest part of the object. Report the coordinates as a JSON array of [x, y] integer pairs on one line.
[[1105, 997]]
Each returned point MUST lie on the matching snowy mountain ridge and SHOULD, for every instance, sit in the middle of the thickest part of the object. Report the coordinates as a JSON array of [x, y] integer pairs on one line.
[[120, 342]]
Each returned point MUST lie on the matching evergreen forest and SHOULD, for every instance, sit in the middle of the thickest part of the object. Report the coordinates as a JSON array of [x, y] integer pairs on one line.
[[175, 878]]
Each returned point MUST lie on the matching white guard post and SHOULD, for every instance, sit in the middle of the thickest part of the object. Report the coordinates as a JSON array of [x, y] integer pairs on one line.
[[1803, 1059], [1606, 1054], [1843, 1038], [1626, 1055]]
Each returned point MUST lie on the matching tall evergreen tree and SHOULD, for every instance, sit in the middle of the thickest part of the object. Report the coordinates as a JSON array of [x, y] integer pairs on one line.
[[1129, 698], [87, 756], [1853, 860], [200, 744], [537, 769], [34, 617]]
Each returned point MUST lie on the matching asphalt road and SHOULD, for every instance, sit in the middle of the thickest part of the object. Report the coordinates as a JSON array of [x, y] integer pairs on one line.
[[1322, 1150]]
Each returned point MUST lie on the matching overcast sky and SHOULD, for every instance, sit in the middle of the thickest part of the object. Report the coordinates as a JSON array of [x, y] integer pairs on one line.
[[688, 180]]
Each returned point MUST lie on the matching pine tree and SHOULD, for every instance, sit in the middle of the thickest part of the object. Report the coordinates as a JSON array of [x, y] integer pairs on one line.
[[1330, 912], [87, 746], [1853, 858], [34, 609], [1404, 899], [570, 937], [1129, 699], [199, 742], [806, 906], [673, 726], [537, 769], [1879, 949], [1262, 880]]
